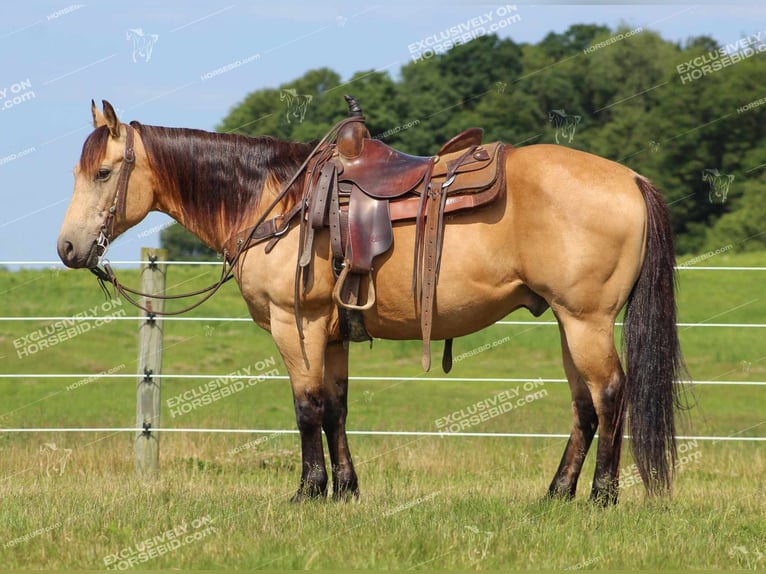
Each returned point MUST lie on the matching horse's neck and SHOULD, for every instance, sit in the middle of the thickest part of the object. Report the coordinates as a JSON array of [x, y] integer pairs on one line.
[[209, 234], [200, 195]]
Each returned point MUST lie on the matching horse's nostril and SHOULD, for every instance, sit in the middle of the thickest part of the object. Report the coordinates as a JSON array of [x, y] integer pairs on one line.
[[66, 251]]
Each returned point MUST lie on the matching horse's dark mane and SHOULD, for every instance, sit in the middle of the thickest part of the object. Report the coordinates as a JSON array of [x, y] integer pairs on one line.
[[218, 178]]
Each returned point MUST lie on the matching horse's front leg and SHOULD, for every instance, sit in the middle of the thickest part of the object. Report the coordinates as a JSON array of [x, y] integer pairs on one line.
[[305, 365], [344, 481]]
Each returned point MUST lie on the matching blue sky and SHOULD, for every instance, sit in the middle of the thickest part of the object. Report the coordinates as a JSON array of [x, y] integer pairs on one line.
[[59, 55]]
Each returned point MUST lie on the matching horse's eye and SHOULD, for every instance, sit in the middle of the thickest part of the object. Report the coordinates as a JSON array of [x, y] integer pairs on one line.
[[103, 174]]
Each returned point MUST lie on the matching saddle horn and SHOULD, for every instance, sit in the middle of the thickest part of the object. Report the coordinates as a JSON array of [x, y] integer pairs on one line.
[[351, 136], [354, 109]]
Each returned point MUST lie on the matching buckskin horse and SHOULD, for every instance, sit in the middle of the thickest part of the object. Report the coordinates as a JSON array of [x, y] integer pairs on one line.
[[571, 231]]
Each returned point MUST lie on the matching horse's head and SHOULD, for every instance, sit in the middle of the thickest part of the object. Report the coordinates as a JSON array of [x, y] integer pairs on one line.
[[112, 190]]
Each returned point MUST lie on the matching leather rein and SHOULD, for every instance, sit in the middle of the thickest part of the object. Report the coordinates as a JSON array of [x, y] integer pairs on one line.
[[264, 228]]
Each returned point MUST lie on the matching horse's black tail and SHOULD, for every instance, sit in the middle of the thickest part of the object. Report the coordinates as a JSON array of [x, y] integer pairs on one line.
[[653, 352]]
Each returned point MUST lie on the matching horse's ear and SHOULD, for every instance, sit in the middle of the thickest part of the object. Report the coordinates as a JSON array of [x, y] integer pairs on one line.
[[98, 118], [110, 117]]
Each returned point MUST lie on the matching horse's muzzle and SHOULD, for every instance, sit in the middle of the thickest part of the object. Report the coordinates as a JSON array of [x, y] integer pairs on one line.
[[74, 258]]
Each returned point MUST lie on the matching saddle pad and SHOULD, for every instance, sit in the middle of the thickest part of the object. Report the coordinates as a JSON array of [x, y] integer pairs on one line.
[[477, 172]]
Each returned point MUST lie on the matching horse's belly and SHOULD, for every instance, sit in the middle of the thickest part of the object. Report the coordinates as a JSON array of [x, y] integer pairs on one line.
[[473, 292], [457, 312]]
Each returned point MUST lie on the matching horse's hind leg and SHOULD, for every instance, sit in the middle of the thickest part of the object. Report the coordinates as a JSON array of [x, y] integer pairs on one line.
[[344, 481], [591, 347], [584, 425]]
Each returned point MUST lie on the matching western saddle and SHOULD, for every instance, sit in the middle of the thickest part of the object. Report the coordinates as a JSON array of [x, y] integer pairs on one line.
[[359, 187]]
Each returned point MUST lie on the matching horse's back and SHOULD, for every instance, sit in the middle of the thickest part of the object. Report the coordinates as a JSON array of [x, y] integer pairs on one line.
[[564, 174]]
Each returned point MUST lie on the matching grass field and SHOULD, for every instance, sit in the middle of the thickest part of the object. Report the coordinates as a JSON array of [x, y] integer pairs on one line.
[[71, 500]]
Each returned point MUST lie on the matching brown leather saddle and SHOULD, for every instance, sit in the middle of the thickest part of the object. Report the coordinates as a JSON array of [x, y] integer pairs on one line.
[[359, 187]]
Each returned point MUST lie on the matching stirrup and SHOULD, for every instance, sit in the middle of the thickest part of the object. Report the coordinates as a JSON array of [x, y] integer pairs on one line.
[[336, 292]]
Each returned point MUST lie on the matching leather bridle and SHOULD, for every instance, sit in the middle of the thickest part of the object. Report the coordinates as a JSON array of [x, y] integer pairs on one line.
[[118, 203]]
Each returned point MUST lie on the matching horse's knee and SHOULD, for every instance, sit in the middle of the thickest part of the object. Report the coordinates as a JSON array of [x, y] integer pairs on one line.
[[309, 409], [334, 415]]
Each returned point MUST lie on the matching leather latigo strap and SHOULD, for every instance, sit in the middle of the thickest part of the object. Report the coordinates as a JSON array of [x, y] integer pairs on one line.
[[433, 238], [317, 215], [428, 272]]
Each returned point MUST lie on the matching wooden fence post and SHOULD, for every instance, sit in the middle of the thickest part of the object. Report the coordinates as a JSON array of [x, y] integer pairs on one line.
[[153, 270]]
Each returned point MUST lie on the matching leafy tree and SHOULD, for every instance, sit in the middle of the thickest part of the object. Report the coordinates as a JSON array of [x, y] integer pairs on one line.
[[574, 41], [633, 107], [182, 245]]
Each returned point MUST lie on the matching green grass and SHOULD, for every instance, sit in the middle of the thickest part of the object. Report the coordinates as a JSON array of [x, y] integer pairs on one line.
[[427, 502]]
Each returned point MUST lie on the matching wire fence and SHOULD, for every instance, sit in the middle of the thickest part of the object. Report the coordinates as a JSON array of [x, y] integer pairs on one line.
[[444, 434], [361, 378], [249, 320], [351, 379]]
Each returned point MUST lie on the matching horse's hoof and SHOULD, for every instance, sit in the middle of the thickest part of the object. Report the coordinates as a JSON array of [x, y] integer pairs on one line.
[[606, 497], [305, 493], [564, 494]]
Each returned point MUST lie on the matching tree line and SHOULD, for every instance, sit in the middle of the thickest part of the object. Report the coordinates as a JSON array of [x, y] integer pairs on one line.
[[689, 115]]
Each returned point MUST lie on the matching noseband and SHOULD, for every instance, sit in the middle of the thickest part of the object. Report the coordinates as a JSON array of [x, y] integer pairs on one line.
[[118, 204]]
